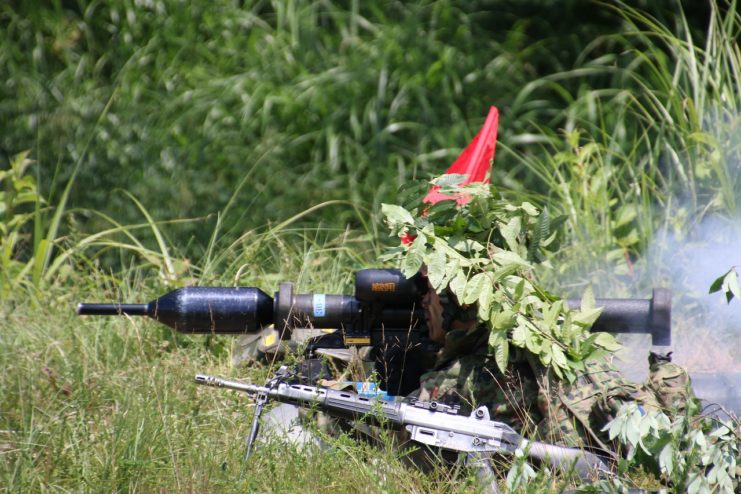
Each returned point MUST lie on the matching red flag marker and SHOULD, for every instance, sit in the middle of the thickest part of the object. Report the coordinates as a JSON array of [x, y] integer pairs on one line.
[[474, 162]]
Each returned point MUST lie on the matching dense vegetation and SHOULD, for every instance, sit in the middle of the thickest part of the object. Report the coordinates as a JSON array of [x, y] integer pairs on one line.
[[155, 143]]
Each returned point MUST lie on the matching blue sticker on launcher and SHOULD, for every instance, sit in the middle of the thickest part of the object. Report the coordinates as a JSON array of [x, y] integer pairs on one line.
[[320, 305]]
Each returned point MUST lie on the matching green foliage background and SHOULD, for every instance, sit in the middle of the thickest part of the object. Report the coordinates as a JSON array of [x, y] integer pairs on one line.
[[249, 142], [296, 101]]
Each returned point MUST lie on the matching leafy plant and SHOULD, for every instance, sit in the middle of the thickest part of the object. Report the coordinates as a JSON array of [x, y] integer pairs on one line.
[[483, 249], [693, 455], [20, 208]]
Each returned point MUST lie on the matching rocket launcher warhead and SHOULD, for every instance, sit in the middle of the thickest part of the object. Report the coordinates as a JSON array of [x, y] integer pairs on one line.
[[199, 310]]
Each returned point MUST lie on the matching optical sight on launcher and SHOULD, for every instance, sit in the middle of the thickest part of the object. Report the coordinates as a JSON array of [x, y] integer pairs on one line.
[[385, 313]]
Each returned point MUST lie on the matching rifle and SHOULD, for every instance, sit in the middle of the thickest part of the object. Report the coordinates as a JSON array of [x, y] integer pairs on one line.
[[385, 313], [429, 423]]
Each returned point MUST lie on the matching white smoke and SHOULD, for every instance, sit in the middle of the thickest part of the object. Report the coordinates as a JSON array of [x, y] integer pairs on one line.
[[706, 331], [705, 324], [701, 240]]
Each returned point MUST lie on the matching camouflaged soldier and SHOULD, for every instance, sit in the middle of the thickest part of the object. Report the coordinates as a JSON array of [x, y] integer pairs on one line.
[[528, 396]]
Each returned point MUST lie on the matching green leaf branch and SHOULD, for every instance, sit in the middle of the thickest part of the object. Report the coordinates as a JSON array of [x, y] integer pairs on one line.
[[698, 456], [727, 283], [484, 252]]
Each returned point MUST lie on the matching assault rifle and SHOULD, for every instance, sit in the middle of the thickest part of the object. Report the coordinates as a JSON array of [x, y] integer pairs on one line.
[[385, 313], [429, 423]]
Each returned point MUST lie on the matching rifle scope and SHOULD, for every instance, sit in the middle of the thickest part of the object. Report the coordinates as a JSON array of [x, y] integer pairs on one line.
[[384, 299]]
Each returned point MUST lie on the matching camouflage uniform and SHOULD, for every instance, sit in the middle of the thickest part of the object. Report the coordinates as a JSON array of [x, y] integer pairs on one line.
[[669, 382], [534, 401], [574, 413], [467, 376]]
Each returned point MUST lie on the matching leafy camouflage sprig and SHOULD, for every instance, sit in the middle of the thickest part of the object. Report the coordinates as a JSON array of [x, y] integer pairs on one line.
[[728, 284], [484, 249]]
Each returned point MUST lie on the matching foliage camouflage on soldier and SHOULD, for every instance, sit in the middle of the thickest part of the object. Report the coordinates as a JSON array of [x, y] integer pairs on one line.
[[472, 378], [530, 399], [531, 361], [483, 251]]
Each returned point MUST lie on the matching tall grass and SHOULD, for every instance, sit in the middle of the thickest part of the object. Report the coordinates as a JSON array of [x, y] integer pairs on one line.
[[346, 102], [109, 404], [656, 150], [301, 102]]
